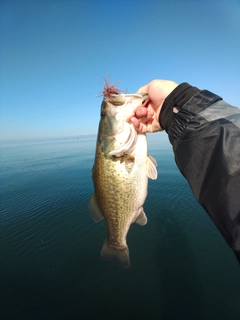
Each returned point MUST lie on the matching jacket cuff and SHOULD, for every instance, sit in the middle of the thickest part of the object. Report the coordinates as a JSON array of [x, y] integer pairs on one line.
[[177, 98]]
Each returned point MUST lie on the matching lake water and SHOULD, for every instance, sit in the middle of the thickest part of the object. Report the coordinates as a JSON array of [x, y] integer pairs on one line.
[[50, 266]]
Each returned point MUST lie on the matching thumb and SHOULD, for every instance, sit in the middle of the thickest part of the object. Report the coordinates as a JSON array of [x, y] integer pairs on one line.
[[143, 89]]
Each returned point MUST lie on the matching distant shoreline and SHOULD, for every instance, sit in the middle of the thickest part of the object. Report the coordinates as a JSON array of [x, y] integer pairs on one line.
[[31, 140]]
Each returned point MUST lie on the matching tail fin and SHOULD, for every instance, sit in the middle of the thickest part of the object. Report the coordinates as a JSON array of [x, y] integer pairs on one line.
[[119, 254]]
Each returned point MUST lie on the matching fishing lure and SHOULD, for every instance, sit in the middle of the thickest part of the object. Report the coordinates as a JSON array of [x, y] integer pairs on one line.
[[108, 89]]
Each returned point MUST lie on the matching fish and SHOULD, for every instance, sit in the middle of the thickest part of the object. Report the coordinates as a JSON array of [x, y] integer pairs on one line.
[[120, 173]]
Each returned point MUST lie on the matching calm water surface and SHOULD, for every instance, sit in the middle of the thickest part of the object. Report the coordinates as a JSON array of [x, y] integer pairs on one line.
[[50, 266]]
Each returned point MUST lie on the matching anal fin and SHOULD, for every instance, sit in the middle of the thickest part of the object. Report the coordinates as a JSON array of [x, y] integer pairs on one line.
[[141, 219]]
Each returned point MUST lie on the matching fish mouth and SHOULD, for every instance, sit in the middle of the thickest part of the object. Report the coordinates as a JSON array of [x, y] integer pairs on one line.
[[128, 98], [129, 103], [125, 137]]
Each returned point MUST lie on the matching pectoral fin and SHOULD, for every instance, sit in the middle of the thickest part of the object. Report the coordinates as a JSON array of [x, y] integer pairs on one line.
[[94, 209], [151, 167], [141, 219]]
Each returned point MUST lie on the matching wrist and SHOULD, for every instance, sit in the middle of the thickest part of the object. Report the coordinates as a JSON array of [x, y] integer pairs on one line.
[[174, 102]]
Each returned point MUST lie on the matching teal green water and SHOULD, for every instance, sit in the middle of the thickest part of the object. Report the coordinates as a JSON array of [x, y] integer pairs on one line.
[[50, 266]]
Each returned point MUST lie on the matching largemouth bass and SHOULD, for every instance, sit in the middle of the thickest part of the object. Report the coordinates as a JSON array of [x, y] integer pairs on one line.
[[120, 174]]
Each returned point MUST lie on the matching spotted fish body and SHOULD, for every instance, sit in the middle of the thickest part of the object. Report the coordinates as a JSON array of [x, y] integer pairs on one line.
[[120, 174]]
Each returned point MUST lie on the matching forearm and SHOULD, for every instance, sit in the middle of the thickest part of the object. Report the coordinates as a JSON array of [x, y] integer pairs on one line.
[[206, 142]]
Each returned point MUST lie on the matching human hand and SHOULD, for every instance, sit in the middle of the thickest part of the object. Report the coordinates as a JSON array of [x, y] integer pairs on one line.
[[146, 118]]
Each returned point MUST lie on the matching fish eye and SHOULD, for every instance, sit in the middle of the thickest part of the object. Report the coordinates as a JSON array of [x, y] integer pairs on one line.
[[103, 114]]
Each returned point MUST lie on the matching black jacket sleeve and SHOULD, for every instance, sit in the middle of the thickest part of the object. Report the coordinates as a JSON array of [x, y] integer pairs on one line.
[[205, 135]]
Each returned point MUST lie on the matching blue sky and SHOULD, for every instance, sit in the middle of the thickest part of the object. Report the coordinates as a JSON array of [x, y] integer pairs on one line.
[[54, 55]]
